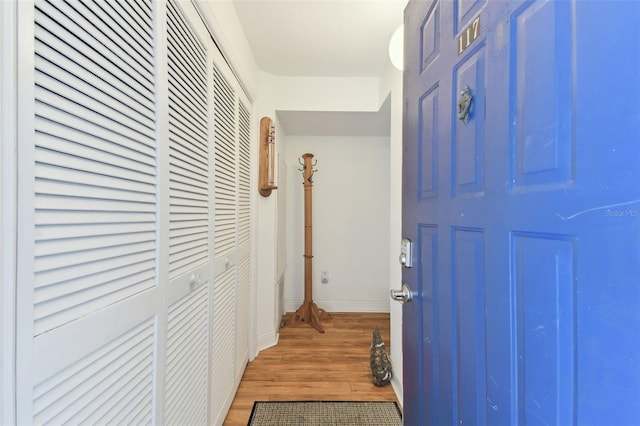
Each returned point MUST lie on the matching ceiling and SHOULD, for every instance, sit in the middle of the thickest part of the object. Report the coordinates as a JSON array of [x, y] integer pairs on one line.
[[337, 123], [320, 37], [323, 38]]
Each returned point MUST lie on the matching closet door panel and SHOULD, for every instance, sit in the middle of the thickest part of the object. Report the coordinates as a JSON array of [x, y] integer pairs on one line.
[[189, 233], [88, 296], [189, 212], [232, 152], [187, 359], [223, 346], [133, 216], [225, 224], [243, 280], [92, 167]]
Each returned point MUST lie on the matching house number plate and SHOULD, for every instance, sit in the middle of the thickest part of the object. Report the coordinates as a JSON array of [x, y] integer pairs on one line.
[[469, 35]]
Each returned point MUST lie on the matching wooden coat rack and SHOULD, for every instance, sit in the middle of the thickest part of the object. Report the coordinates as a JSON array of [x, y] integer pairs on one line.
[[308, 312]]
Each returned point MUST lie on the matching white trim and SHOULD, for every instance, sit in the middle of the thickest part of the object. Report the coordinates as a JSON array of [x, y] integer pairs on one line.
[[375, 306], [268, 340], [254, 344], [225, 47], [162, 209], [396, 384], [8, 209], [25, 225]]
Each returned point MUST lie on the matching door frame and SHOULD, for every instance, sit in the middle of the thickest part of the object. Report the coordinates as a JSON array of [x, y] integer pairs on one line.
[[8, 207]]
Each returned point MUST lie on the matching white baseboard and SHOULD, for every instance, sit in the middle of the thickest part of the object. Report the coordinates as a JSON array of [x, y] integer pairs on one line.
[[396, 384], [268, 340], [343, 305]]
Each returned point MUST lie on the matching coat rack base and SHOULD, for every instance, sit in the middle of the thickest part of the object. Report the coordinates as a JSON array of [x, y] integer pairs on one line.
[[309, 313]]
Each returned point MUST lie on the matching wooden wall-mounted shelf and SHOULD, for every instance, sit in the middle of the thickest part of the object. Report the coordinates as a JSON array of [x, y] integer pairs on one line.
[[266, 171]]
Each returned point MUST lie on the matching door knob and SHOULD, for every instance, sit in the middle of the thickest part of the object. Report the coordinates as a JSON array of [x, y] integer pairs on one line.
[[403, 295]]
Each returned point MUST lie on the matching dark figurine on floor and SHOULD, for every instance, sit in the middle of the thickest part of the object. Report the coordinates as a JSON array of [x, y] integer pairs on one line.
[[380, 362]]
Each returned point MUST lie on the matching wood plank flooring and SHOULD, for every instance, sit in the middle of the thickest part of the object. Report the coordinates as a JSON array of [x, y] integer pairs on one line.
[[308, 365]]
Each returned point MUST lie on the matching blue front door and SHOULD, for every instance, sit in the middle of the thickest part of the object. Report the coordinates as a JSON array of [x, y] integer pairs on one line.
[[524, 210]]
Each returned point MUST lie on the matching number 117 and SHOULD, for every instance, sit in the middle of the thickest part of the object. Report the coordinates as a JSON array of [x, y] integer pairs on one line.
[[469, 35]]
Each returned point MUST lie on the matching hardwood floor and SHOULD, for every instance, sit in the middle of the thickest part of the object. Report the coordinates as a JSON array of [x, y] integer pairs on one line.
[[308, 365]]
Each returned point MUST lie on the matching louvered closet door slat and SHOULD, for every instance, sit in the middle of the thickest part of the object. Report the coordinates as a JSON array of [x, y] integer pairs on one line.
[[188, 40], [242, 316], [223, 344], [51, 316], [68, 260], [185, 115], [88, 389], [225, 123], [183, 83], [58, 189], [132, 13], [73, 87], [87, 50], [85, 288], [100, 133], [136, 45], [82, 37], [126, 186], [188, 154], [92, 84], [188, 130], [95, 162], [244, 177], [186, 230], [51, 236], [189, 183], [184, 131], [187, 357], [122, 48], [48, 247], [183, 79]]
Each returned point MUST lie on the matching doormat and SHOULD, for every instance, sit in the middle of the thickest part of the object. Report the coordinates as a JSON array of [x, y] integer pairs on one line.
[[316, 413]]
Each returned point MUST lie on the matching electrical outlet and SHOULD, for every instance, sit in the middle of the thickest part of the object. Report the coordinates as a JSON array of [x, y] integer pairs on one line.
[[324, 277]]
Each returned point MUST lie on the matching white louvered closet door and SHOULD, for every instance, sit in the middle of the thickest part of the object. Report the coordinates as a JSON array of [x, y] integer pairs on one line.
[[231, 256], [134, 216], [190, 218], [243, 276], [88, 293]]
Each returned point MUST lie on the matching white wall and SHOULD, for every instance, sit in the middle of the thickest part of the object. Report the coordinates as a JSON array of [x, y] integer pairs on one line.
[[278, 93], [267, 317], [350, 223], [337, 94], [391, 84]]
